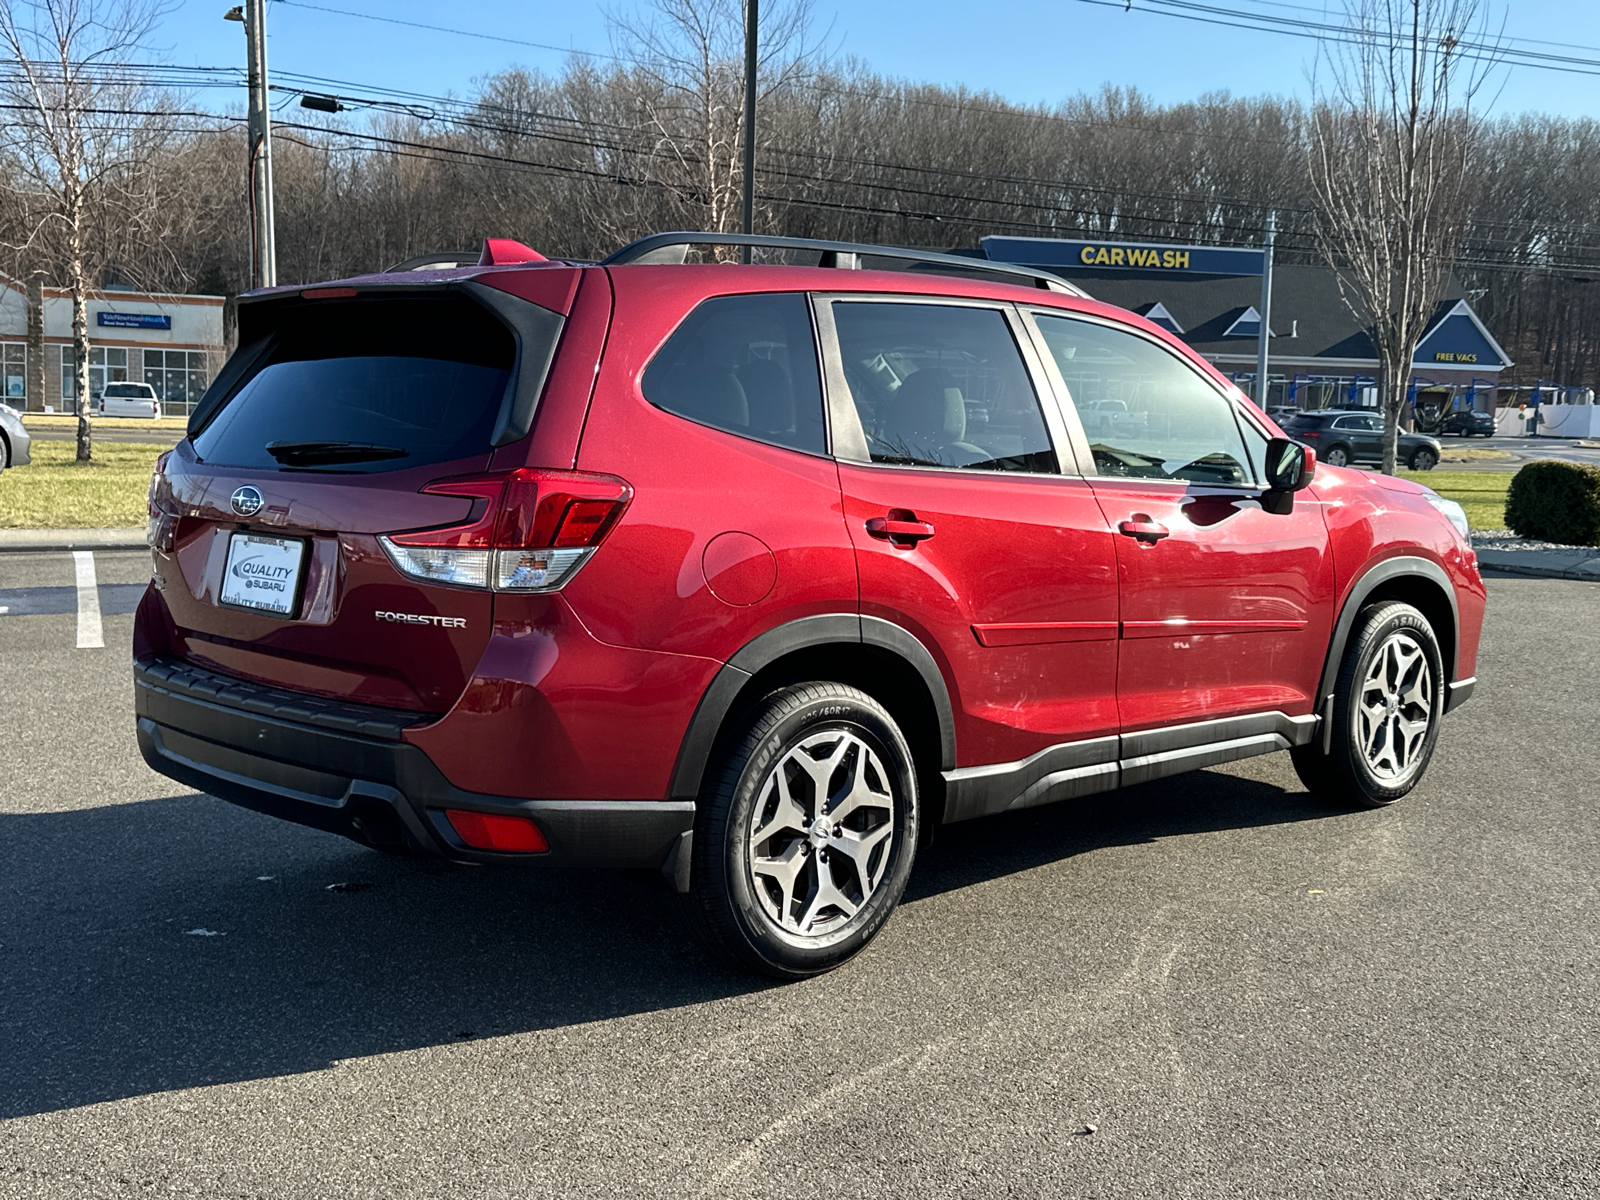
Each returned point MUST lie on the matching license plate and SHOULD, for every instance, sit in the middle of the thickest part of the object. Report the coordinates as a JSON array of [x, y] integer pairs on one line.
[[263, 573]]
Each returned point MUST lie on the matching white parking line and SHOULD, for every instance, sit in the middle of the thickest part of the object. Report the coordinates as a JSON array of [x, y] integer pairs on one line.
[[89, 635]]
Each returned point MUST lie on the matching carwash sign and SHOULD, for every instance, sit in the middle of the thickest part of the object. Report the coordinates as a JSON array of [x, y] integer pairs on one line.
[[1076, 257]]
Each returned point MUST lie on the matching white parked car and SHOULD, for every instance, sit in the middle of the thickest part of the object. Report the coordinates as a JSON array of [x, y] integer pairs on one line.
[[1111, 417], [129, 400]]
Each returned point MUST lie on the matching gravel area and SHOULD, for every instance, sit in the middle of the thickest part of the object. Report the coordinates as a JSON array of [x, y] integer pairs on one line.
[[1504, 539]]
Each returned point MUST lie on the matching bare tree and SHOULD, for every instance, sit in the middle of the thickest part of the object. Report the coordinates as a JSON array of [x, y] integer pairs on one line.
[[687, 62], [82, 129], [1391, 158]]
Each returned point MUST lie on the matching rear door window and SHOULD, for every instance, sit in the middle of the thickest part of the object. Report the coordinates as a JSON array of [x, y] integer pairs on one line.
[[746, 365], [369, 385], [938, 385]]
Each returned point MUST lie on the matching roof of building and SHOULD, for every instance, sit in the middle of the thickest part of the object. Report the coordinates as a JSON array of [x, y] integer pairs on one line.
[[1310, 319]]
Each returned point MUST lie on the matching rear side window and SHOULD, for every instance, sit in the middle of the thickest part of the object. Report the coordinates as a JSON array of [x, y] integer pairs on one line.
[[368, 385], [746, 365], [941, 386]]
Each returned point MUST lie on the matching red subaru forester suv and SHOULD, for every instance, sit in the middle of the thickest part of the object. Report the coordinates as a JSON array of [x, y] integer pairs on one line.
[[756, 574]]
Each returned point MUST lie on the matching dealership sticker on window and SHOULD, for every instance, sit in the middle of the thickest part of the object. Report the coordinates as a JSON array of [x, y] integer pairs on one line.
[[263, 573]]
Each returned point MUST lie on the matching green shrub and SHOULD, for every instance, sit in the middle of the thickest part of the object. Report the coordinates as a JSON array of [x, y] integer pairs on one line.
[[1556, 502]]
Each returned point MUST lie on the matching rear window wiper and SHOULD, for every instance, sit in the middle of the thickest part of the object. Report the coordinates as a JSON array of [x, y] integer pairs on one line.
[[306, 454]]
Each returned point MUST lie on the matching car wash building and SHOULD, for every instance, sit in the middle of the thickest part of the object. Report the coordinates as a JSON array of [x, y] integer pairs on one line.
[[173, 343], [1319, 355]]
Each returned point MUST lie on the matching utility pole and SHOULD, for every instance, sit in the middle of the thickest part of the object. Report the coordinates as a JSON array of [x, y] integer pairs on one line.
[[263, 248], [1265, 309], [749, 222]]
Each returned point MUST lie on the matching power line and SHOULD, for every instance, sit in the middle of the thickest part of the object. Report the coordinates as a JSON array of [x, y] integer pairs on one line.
[[1489, 53], [488, 37]]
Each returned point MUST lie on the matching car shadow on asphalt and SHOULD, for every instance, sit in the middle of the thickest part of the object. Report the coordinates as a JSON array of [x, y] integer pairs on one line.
[[183, 942]]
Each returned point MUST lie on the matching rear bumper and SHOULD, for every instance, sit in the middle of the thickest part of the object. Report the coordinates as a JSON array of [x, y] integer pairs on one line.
[[343, 768]]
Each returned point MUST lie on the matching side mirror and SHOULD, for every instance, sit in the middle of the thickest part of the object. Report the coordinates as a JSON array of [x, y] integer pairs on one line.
[[1289, 468], [1290, 465]]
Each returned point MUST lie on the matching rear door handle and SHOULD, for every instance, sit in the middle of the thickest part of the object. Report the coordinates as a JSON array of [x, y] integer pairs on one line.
[[896, 530], [1142, 529]]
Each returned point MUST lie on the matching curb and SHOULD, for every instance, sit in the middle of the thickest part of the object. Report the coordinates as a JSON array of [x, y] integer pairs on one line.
[[1508, 564], [20, 540]]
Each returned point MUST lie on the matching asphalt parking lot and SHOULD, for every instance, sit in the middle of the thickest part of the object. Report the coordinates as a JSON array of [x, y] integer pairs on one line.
[[1244, 993]]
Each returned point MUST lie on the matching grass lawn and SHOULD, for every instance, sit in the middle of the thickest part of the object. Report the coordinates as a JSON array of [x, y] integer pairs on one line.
[[1481, 493], [54, 492]]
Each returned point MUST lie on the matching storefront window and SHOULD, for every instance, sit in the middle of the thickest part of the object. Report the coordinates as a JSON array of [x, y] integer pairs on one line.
[[13, 373], [179, 378], [107, 364]]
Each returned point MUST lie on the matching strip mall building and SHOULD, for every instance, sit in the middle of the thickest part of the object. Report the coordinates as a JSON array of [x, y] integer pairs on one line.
[[1319, 354], [173, 343]]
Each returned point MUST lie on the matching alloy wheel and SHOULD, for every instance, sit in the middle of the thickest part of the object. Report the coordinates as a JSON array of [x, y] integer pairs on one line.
[[1337, 457], [821, 834], [1395, 708]]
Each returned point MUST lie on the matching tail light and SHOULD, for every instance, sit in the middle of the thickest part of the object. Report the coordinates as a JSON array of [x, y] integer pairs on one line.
[[529, 530], [159, 524]]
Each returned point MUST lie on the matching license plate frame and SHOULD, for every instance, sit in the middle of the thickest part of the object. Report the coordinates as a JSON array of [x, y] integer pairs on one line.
[[280, 593]]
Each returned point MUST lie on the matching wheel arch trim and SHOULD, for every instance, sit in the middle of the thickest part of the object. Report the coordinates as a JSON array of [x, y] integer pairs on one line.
[[1374, 577], [841, 629]]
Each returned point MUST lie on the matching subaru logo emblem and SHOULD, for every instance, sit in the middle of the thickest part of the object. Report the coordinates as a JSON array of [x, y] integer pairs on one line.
[[247, 501]]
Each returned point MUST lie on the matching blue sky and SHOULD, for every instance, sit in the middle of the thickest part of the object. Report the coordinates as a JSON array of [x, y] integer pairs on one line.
[[1025, 50]]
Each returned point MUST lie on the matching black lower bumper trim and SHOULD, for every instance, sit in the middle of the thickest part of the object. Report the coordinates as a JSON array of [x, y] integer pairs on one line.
[[379, 792]]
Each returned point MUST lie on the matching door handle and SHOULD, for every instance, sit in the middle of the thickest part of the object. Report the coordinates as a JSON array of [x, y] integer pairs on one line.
[[1142, 529], [899, 530]]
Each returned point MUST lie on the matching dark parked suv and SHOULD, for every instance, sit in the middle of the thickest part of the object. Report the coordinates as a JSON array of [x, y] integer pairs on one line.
[[1467, 422], [1345, 436], [757, 574]]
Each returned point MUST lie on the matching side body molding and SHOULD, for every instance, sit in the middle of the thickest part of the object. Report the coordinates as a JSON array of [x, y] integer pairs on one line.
[[1072, 769], [885, 637]]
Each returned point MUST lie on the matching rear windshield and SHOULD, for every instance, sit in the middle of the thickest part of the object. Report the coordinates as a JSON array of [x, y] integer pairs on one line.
[[375, 384], [128, 391]]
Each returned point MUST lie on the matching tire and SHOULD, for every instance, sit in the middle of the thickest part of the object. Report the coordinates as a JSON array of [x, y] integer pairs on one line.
[[1337, 456], [1392, 664], [759, 898], [1422, 459], [5, 454]]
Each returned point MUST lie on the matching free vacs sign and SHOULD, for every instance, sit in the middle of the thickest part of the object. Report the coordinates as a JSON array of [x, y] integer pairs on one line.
[[119, 320]]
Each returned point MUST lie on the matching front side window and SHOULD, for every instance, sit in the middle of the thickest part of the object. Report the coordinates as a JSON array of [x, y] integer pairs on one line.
[[1147, 414], [746, 365], [941, 386]]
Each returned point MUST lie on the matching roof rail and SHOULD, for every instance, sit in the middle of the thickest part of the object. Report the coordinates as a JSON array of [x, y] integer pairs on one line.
[[674, 248]]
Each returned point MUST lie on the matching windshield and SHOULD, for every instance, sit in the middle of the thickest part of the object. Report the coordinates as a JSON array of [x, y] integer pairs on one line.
[[368, 385]]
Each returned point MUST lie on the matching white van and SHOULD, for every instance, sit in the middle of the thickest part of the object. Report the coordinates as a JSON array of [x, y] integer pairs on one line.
[[129, 400]]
